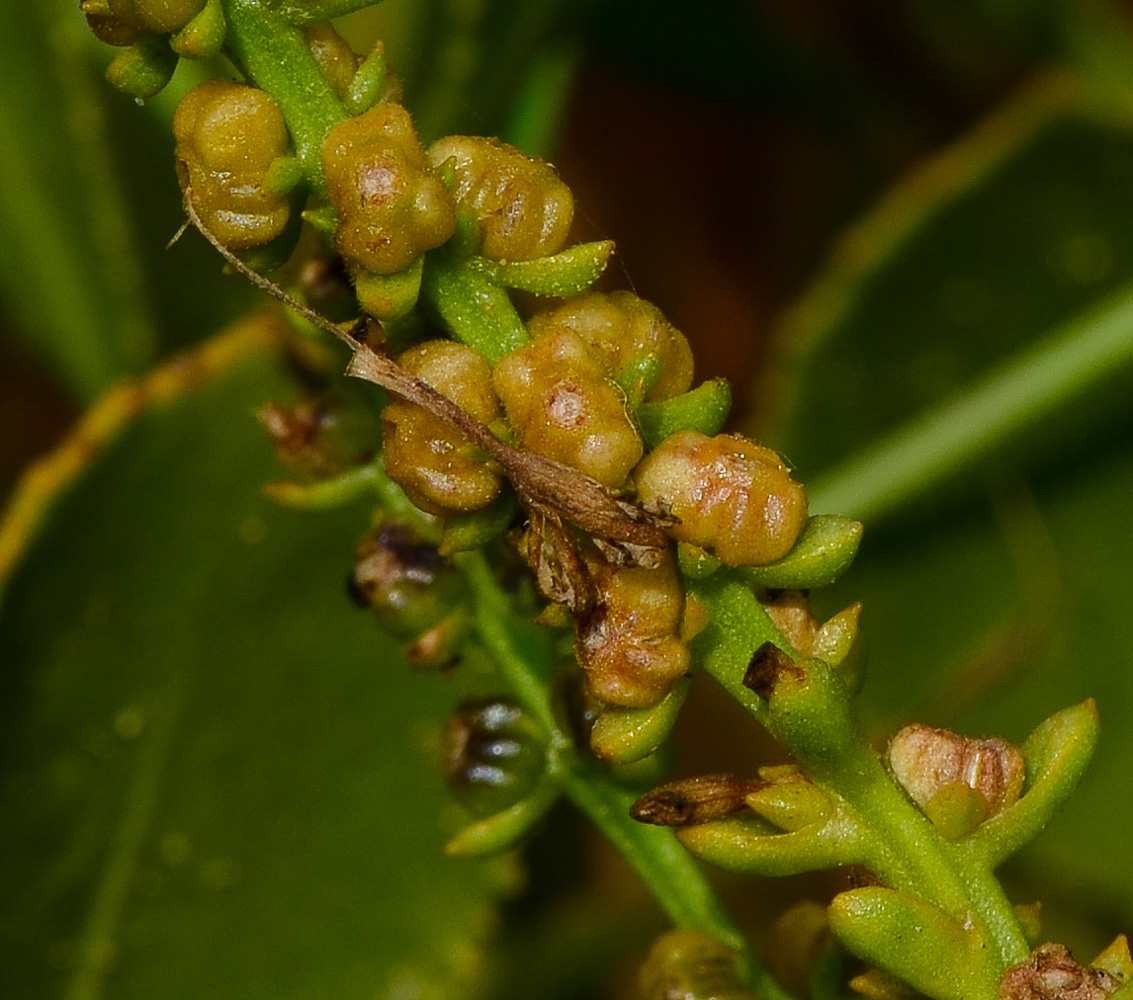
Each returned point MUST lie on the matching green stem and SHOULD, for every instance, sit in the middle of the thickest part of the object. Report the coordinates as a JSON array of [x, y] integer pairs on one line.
[[522, 653], [275, 56], [1033, 385]]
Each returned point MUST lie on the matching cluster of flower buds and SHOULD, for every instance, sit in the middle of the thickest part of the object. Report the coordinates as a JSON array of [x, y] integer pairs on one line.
[[155, 33]]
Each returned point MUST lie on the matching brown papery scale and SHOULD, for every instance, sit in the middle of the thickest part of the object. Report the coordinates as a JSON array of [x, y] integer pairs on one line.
[[228, 135], [562, 404], [441, 471], [628, 643], [521, 207], [1050, 973], [391, 208], [622, 328], [728, 495]]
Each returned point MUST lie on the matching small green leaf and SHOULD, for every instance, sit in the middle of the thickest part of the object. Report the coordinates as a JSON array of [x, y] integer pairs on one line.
[[562, 274], [749, 845], [628, 735], [703, 409], [1057, 754], [823, 552], [916, 942]]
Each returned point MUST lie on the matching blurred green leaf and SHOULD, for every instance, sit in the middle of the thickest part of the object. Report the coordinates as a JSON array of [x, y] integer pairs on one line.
[[1000, 595], [69, 270], [219, 778]]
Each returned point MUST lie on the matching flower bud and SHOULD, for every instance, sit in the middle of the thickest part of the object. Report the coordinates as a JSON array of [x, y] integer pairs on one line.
[[629, 644], [691, 965], [729, 495], [562, 404], [955, 780], [626, 332], [162, 16], [228, 136], [441, 471], [390, 206], [493, 754], [521, 207]]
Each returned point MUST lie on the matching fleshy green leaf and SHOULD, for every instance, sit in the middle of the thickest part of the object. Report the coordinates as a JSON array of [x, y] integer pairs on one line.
[[220, 779]]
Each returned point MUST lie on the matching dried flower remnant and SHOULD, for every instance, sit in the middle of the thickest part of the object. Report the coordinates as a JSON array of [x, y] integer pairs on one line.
[[695, 800], [441, 471], [1050, 973], [729, 495]]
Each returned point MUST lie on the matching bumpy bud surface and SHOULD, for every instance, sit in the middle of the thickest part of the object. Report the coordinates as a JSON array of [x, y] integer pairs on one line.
[[493, 754], [108, 27], [228, 135], [629, 645], [156, 15], [562, 404], [391, 208], [690, 965], [523, 209], [730, 496], [441, 471], [1050, 973], [627, 332]]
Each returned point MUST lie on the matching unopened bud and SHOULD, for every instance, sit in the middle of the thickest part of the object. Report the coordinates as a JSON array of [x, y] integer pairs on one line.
[[729, 495], [691, 965], [1050, 973]]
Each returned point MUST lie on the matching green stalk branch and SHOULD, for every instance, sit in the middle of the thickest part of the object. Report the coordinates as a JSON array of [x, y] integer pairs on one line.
[[953, 437], [665, 868], [276, 57]]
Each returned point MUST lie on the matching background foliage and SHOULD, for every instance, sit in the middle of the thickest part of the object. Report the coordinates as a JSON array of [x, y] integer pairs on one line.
[[216, 777]]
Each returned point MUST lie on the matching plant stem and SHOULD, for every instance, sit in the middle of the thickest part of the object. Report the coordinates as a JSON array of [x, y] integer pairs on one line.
[[665, 868], [952, 437], [276, 57]]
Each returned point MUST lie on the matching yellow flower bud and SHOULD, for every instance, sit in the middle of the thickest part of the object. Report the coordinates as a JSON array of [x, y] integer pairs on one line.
[[731, 496], [563, 404], [624, 330], [156, 15], [441, 471], [228, 135], [629, 645], [523, 209], [390, 206]]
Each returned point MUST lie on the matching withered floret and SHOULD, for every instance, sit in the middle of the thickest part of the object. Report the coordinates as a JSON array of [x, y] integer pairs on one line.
[[929, 763], [228, 135], [628, 645], [731, 496], [562, 404], [523, 209], [626, 331], [391, 208], [441, 471]]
